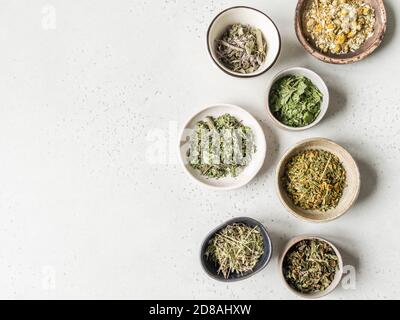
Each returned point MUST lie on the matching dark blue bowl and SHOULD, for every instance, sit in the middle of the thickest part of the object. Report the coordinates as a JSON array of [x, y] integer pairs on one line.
[[210, 266]]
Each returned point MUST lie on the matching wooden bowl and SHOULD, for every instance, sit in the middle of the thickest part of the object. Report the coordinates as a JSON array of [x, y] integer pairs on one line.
[[364, 51], [351, 190], [338, 275]]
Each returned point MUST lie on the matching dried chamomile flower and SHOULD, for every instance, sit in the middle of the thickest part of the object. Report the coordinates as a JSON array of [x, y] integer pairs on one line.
[[339, 26]]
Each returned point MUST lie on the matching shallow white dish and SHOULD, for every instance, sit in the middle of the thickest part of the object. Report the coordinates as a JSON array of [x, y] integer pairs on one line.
[[316, 80], [253, 17], [249, 172]]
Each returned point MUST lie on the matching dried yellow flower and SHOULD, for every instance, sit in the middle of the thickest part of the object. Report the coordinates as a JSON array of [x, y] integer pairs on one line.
[[347, 23]]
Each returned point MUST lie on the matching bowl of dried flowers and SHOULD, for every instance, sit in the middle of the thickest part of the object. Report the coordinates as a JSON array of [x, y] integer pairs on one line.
[[340, 31]]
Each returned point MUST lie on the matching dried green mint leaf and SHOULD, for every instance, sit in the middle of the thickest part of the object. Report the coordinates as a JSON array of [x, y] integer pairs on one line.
[[295, 101]]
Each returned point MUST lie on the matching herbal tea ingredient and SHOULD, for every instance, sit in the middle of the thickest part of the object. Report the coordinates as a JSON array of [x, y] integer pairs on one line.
[[339, 26], [315, 180], [242, 48], [236, 249], [221, 147], [295, 101], [310, 266]]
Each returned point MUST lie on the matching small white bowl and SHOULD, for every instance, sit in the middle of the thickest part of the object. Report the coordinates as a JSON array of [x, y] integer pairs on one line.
[[246, 16], [249, 172], [338, 275], [316, 80]]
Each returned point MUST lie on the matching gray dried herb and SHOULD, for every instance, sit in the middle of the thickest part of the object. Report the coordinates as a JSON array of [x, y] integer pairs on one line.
[[236, 249], [310, 266], [242, 49]]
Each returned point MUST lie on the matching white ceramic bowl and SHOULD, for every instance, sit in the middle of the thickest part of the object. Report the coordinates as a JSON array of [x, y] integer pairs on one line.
[[316, 80], [249, 172], [253, 17]]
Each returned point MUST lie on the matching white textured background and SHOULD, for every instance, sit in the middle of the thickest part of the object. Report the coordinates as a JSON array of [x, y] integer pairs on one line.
[[84, 214]]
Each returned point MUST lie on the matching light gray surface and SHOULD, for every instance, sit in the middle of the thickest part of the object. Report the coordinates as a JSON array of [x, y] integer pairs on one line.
[[86, 214]]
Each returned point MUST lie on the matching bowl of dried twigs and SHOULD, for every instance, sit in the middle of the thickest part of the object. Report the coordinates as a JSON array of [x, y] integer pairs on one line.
[[236, 250]]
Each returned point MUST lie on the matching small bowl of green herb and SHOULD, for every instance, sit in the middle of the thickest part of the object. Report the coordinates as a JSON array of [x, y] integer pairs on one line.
[[317, 180], [222, 147], [243, 42], [236, 250], [311, 267], [297, 99]]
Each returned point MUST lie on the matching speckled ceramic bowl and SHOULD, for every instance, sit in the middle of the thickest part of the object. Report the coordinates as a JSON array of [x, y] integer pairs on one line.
[[364, 51], [210, 267], [351, 190]]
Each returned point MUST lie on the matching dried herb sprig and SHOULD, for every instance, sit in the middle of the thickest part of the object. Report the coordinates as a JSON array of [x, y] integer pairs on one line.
[[236, 249], [310, 266], [315, 180], [242, 48]]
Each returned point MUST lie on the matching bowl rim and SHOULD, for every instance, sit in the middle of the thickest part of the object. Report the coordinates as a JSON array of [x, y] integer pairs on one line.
[[236, 74], [332, 59], [223, 188], [339, 275], [243, 220], [284, 159], [322, 112]]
